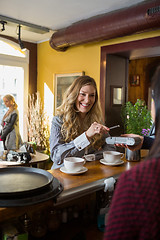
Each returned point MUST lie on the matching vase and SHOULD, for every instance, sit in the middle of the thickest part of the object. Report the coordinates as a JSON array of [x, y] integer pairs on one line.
[[132, 155]]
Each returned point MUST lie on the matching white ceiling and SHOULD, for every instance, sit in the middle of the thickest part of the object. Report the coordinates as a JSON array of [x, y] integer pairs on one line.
[[54, 14]]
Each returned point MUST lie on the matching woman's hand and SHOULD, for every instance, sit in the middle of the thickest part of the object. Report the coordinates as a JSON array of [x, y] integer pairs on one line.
[[132, 148], [96, 128]]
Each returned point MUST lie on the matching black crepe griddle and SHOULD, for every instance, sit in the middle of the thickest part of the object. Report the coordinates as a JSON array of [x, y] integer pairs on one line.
[[20, 186]]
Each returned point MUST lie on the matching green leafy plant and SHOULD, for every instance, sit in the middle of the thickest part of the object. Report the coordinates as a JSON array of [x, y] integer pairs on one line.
[[38, 123], [136, 117]]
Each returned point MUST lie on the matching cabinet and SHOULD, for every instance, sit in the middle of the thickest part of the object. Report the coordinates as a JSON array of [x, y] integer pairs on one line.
[[76, 219]]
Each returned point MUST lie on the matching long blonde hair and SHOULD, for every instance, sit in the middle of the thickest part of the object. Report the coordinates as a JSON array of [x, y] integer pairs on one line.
[[13, 107], [72, 125]]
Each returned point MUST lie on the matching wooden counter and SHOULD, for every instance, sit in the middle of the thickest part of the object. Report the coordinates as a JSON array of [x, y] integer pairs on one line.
[[96, 171], [75, 186], [39, 159], [92, 180]]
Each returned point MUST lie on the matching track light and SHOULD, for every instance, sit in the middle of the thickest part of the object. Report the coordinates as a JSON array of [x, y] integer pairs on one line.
[[19, 39], [3, 25], [26, 26]]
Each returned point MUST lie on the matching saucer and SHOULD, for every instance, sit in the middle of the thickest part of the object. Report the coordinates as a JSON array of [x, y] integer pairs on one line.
[[111, 164], [83, 170]]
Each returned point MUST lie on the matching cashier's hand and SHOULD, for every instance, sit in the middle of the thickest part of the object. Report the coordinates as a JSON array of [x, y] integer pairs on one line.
[[96, 128], [132, 148]]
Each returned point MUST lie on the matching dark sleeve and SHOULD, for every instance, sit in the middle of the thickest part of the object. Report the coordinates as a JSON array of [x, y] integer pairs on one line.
[[147, 143], [9, 126], [124, 209]]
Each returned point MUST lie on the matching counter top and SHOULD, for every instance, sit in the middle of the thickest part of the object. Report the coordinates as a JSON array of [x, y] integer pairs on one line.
[[75, 186]]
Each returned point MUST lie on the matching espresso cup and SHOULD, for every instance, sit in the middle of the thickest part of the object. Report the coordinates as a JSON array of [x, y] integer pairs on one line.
[[112, 156], [89, 157], [73, 164]]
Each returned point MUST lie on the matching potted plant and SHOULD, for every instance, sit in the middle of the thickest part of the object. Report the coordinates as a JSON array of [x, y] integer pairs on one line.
[[137, 119]]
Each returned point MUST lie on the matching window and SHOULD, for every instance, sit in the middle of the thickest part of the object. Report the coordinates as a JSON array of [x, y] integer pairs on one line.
[[116, 95], [7, 49]]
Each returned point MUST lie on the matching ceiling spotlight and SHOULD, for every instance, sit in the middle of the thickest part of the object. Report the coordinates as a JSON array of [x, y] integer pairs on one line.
[[19, 39], [3, 25]]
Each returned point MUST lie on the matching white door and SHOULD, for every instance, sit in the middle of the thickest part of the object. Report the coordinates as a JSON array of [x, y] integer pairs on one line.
[[14, 80]]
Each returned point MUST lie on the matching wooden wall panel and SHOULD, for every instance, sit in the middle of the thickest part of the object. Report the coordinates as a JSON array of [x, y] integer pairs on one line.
[[142, 68]]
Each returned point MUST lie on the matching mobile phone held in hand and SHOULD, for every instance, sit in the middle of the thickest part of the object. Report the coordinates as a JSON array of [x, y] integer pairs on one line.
[[130, 141]]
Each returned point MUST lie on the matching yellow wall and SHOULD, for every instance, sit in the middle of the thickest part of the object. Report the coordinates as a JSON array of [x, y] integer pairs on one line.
[[76, 59]]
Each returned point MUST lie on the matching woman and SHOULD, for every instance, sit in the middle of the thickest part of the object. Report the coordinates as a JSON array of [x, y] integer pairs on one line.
[[77, 129], [10, 125], [135, 210]]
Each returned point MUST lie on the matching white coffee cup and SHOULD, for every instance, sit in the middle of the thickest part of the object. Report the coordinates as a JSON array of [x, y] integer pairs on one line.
[[73, 164], [112, 156], [89, 157]]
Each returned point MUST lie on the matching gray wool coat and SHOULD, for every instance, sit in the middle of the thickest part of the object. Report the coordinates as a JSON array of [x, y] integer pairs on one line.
[[10, 131]]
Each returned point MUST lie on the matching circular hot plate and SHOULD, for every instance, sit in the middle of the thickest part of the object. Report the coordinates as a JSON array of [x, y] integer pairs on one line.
[[54, 189], [22, 180], [22, 186]]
